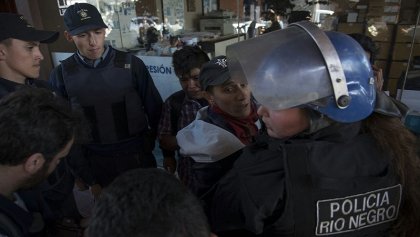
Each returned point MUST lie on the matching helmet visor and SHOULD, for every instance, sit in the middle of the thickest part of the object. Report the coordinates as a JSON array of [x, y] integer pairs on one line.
[[284, 68]]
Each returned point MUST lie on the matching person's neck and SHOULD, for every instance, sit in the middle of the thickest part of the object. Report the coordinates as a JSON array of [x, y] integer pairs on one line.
[[11, 77], [8, 181]]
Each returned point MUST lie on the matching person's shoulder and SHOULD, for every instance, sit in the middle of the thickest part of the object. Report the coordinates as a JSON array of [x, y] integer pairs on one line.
[[178, 95], [39, 83], [12, 217], [136, 60], [6, 86], [258, 170], [70, 58], [176, 99], [264, 153]]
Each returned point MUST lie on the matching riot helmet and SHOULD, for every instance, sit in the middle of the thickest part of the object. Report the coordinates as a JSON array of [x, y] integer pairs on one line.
[[304, 66]]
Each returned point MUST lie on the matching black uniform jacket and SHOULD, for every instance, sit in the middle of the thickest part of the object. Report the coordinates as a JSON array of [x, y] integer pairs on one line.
[[335, 182]]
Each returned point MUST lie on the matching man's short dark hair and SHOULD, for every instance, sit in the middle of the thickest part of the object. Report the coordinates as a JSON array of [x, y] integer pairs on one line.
[[148, 203], [34, 120], [187, 58]]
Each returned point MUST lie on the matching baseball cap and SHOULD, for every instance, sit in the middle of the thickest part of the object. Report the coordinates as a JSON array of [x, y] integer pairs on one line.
[[15, 26], [214, 72], [82, 17]]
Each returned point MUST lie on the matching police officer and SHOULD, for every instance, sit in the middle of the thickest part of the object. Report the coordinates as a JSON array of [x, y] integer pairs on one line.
[[117, 95], [337, 161], [20, 55], [20, 65]]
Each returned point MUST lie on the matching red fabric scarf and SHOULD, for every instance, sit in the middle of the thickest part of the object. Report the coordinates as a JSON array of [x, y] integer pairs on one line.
[[244, 128]]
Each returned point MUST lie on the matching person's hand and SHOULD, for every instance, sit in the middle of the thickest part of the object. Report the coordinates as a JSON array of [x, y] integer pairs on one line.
[[169, 164], [379, 80], [96, 191]]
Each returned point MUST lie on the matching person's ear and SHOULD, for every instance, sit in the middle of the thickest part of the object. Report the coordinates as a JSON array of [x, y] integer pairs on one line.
[[68, 36], [2, 51], [34, 163], [209, 97]]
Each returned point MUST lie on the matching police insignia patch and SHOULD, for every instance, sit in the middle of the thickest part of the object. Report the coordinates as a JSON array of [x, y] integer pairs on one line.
[[359, 211]]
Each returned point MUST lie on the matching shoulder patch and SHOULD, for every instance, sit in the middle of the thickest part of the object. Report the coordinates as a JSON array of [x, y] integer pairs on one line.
[[351, 213]]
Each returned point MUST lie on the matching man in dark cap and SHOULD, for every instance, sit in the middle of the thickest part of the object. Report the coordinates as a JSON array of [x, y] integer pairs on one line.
[[20, 63], [220, 131], [20, 56], [117, 95]]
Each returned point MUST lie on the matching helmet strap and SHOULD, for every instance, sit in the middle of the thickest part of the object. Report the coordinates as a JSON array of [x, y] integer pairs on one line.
[[317, 121]]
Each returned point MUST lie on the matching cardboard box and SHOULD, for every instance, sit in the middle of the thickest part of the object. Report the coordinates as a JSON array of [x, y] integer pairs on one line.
[[408, 16], [391, 18], [386, 18], [376, 3], [375, 11], [391, 86], [352, 17], [402, 51], [409, 3], [384, 50], [397, 69], [405, 33], [383, 10], [379, 31], [361, 17], [382, 64], [383, 2], [361, 6], [349, 28]]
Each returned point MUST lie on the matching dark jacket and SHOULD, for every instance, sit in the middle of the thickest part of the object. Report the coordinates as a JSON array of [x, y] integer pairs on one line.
[[120, 101], [308, 186], [48, 197], [211, 142], [14, 221]]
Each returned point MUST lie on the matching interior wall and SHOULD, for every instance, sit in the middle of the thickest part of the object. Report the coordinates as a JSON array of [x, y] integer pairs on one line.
[[52, 20], [8, 6], [31, 11], [192, 19]]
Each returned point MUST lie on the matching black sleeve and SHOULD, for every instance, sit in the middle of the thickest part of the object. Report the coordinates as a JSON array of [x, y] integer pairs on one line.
[[80, 165], [226, 210], [249, 194], [56, 82], [148, 92]]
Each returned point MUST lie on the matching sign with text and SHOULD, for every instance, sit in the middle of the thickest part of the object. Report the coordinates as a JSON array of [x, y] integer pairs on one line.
[[359, 211], [163, 74]]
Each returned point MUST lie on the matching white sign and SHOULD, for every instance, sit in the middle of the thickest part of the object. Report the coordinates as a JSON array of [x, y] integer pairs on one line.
[[160, 69], [63, 4], [163, 74]]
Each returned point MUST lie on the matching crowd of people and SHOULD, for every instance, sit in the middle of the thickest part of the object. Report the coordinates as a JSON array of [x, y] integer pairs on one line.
[[296, 138]]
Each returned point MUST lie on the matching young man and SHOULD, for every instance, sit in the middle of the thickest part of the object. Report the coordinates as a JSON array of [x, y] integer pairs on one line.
[[148, 202], [117, 95], [37, 131], [20, 56], [181, 107], [20, 60], [216, 137]]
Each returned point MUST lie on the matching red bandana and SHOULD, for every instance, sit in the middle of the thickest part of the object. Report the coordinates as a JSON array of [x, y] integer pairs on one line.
[[244, 128]]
